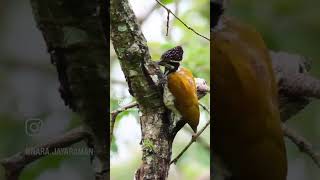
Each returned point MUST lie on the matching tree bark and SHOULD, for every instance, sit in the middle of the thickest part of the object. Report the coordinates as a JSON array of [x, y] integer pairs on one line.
[[143, 78], [76, 35]]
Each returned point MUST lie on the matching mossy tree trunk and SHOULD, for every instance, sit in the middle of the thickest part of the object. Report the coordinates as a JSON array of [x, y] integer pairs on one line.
[[143, 78]]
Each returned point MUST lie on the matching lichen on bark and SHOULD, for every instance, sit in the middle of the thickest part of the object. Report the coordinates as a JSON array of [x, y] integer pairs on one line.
[[143, 78]]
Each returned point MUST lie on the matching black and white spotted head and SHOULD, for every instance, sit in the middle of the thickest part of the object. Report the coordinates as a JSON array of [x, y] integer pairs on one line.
[[171, 59]]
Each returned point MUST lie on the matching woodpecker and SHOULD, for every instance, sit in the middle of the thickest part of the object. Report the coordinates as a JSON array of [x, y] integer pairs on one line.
[[180, 90], [247, 134]]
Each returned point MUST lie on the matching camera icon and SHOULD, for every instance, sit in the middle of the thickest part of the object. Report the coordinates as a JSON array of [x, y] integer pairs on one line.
[[33, 126]]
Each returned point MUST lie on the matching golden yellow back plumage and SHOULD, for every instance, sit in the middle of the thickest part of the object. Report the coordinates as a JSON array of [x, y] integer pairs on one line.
[[247, 131], [183, 87]]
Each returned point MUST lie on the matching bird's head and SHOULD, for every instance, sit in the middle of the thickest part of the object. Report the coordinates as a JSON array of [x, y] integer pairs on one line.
[[202, 87], [171, 59]]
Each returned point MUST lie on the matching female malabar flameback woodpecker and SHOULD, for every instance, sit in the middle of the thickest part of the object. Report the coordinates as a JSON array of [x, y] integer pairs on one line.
[[180, 91], [247, 137]]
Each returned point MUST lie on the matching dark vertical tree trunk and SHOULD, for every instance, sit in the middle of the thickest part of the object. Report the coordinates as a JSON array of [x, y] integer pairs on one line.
[[75, 32]]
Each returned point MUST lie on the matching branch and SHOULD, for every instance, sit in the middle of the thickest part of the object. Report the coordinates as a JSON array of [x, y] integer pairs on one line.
[[193, 139], [115, 113], [296, 85], [16, 163], [170, 12], [292, 72], [301, 85], [143, 79], [303, 145], [205, 108], [201, 141]]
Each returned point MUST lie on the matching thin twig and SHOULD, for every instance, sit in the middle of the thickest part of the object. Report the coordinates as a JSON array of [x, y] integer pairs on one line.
[[169, 11], [115, 113], [303, 145], [118, 82], [16, 163], [168, 20], [205, 108], [200, 140], [193, 139]]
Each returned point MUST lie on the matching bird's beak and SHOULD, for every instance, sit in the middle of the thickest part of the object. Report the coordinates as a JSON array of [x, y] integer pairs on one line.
[[160, 63]]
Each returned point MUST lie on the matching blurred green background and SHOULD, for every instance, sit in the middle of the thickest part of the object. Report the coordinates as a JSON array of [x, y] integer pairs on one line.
[[29, 90], [292, 26], [126, 151]]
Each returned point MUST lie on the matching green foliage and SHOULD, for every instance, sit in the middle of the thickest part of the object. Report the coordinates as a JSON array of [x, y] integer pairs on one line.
[[167, 1], [34, 170], [125, 170]]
